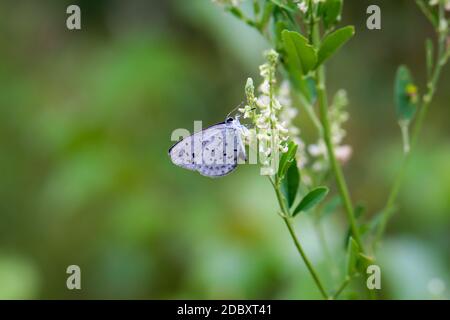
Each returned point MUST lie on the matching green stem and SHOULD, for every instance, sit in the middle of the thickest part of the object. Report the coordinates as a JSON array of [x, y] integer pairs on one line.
[[305, 258], [388, 209], [335, 166], [341, 287], [300, 250]]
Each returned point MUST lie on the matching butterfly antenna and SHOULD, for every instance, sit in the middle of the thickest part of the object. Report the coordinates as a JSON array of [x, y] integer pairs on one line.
[[240, 105]]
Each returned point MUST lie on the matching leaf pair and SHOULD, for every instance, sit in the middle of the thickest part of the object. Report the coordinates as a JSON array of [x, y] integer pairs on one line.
[[288, 176], [302, 57]]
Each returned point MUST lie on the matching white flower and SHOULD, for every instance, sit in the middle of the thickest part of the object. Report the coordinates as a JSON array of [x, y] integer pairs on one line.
[[264, 87], [263, 136], [318, 149], [284, 148], [247, 111], [337, 116], [343, 153], [302, 6], [271, 112]]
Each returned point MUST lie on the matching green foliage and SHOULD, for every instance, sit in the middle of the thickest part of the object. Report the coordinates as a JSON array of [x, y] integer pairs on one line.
[[84, 175], [331, 12], [301, 55], [333, 42], [311, 199], [301, 58], [359, 211], [291, 182], [352, 256], [266, 15], [286, 160], [405, 94], [285, 4]]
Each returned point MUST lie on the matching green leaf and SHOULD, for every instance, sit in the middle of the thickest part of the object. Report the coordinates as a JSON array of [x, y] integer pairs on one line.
[[311, 199], [279, 14], [365, 259], [352, 256], [256, 7], [331, 12], [278, 27], [405, 93], [286, 159], [286, 5], [362, 261], [236, 12], [301, 55], [290, 182], [333, 42]]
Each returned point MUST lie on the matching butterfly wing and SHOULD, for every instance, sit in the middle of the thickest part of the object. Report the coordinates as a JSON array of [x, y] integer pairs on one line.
[[213, 152]]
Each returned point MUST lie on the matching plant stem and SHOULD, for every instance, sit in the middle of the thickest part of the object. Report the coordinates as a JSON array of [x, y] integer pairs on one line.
[[388, 209], [300, 250], [335, 166], [341, 287], [305, 258]]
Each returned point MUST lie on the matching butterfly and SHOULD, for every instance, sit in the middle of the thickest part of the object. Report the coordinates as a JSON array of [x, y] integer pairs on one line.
[[214, 151]]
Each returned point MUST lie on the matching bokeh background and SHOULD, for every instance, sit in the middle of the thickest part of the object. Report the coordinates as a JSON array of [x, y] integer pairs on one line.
[[85, 124]]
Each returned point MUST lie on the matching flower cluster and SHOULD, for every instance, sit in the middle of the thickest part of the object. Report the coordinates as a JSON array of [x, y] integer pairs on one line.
[[338, 116], [265, 111], [287, 115]]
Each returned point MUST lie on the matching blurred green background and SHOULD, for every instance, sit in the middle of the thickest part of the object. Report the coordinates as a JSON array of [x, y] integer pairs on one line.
[[85, 124]]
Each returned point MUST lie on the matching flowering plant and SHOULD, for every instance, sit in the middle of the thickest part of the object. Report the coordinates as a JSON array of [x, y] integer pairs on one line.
[[304, 34]]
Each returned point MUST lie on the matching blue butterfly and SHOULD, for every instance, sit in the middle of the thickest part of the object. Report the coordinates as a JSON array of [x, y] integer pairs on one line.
[[214, 151]]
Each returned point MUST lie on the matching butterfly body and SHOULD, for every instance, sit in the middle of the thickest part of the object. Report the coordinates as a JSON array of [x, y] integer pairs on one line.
[[214, 151]]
